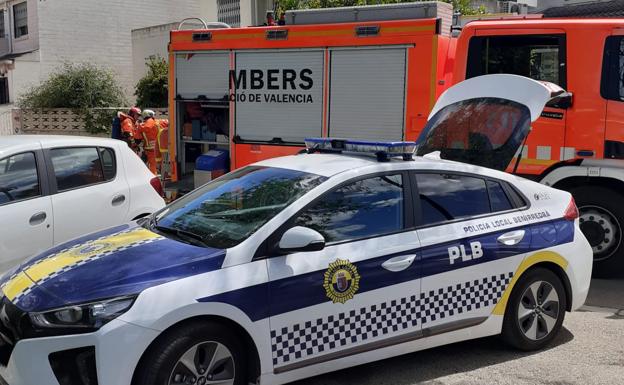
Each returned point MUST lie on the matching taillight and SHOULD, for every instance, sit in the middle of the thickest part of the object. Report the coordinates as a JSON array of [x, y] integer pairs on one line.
[[155, 182], [571, 212]]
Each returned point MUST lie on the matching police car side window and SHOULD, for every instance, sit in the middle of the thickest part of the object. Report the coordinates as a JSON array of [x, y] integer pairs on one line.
[[498, 198], [361, 209], [445, 197]]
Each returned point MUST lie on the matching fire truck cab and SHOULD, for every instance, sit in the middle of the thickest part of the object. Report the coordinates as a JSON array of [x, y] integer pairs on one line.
[[578, 143]]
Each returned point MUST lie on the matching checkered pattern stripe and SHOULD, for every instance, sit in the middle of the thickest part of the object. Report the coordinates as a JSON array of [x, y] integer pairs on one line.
[[463, 297], [87, 260], [299, 341]]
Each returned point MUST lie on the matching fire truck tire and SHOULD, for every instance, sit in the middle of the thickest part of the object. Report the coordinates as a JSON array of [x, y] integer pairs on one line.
[[601, 220]]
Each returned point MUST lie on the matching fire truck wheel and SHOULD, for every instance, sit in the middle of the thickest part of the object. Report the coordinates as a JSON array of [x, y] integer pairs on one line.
[[601, 219]]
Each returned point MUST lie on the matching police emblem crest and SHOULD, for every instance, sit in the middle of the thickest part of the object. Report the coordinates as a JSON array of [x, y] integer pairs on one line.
[[90, 249], [341, 281]]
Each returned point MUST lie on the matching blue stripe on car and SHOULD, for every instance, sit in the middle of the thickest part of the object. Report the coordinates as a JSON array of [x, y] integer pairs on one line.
[[293, 293]]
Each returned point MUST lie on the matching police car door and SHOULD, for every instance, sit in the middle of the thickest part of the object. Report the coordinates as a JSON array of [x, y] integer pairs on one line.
[[360, 292], [471, 246], [467, 222]]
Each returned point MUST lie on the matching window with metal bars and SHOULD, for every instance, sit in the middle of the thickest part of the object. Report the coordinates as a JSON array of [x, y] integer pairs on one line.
[[20, 19], [2, 31], [228, 11]]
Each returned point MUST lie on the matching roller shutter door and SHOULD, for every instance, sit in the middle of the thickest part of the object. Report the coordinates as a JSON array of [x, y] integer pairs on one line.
[[202, 74], [367, 94], [286, 99]]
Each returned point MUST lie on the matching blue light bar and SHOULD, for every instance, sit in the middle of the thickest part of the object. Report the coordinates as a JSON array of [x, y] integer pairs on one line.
[[389, 149]]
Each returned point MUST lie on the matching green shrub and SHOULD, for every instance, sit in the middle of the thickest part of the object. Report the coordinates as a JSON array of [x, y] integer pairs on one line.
[[152, 90], [86, 88]]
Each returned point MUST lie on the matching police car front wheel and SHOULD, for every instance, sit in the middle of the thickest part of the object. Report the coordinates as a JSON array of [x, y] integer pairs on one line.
[[535, 310], [198, 353]]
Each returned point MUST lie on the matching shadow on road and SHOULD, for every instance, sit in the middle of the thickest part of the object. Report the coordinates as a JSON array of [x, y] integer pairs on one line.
[[428, 365], [606, 293]]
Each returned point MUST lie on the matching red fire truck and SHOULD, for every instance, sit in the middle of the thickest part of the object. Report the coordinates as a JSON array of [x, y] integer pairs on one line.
[[258, 91], [263, 90]]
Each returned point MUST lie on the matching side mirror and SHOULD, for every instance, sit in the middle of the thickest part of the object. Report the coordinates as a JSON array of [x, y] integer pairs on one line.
[[301, 238], [563, 100]]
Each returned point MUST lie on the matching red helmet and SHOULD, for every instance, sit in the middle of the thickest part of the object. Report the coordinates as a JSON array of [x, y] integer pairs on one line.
[[135, 110]]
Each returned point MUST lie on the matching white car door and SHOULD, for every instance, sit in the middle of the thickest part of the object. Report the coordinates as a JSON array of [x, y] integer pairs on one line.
[[26, 225], [471, 246], [91, 191], [361, 292]]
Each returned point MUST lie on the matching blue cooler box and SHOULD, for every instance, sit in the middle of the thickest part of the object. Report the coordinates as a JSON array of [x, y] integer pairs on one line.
[[210, 165]]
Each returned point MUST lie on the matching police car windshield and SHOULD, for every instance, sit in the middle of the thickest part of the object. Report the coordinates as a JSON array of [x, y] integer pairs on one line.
[[228, 210]]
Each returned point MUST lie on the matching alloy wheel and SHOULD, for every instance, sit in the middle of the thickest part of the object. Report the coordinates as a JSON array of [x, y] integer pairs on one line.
[[205, 363], [538, 310]]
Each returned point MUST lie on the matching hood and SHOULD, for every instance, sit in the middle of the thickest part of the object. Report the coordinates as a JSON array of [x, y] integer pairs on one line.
[[485, 120], [120, 261]]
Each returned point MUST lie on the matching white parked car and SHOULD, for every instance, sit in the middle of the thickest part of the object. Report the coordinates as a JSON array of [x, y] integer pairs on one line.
[[55, 188], [301, 265]]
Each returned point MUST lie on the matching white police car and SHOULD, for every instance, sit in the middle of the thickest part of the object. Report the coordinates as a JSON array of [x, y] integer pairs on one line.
[[305, 264]]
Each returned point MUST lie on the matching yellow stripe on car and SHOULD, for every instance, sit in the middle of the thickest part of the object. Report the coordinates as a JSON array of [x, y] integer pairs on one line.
[[69, 258], [16, 285], [542, 256]]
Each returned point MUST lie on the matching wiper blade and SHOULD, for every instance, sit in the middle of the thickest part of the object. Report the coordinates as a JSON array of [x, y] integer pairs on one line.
[[184, 235]]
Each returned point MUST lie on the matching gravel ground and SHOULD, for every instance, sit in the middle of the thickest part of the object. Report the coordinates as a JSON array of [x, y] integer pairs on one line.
[[589, 350]]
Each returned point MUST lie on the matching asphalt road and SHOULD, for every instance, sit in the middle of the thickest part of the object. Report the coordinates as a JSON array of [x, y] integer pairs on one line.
[[589, 350]]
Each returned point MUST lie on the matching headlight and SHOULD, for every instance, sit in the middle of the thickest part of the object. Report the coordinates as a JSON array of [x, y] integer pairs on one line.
[[88, 316]]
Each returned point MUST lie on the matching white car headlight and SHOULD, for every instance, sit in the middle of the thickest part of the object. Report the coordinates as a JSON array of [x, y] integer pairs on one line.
[[89, 316]]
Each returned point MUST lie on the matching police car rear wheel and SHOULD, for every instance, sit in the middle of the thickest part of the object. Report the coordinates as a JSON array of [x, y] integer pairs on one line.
[[535, 310], [199, 353]]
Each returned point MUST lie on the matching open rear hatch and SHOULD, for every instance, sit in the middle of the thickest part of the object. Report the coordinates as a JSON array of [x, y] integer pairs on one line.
[[485, 120]]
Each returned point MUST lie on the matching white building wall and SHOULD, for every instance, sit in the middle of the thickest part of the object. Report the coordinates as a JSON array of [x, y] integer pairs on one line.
[[100, 31], [247, 10], [25, 75], [208, 10], [146, 43]]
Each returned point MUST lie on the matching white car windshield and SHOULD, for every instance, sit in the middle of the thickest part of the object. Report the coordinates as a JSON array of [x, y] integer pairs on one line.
[[226, 211]]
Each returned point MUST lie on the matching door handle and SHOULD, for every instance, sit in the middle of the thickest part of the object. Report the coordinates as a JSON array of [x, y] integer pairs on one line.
[[38, 218], [512, 238], [399, 263], [118, 199]]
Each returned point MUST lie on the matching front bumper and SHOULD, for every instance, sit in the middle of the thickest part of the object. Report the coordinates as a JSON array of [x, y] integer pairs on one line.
[[118, 348]]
